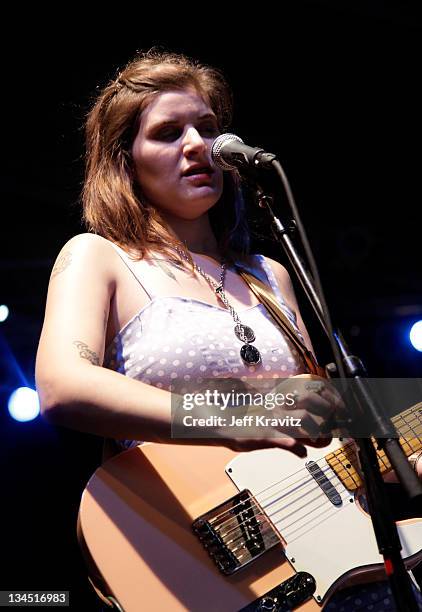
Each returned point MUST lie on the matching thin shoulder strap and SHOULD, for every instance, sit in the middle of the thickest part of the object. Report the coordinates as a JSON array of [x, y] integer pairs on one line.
[[130, 264]]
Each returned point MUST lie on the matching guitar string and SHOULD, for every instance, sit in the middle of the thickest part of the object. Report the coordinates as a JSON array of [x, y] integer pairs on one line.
[[310, 480], [287, 531], [313, 527], [269, 525], [295, 511], [299, 471], [279, 510], [261, 504], [312, 489], [418, 416], [323, 513], [325, 516], [284, 531], [268, 528], [345, 450], [261, 509], [266, 535]]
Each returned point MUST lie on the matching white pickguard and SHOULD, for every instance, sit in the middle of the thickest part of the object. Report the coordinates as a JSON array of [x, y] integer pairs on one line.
[[324, 540]]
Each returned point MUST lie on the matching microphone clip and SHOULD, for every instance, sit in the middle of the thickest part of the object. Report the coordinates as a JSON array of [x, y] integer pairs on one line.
[[262, 159]]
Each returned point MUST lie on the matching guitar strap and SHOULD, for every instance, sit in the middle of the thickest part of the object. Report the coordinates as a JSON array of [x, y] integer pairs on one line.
[[266, 296]]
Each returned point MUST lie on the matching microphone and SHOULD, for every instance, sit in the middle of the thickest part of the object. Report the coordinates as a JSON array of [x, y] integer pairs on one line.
[[229, 152]]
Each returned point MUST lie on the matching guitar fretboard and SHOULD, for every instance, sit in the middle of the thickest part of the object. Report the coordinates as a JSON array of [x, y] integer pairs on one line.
[[344, 461]]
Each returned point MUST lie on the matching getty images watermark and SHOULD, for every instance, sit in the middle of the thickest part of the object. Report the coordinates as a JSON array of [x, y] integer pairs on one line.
[[227, 407], [224, 401]]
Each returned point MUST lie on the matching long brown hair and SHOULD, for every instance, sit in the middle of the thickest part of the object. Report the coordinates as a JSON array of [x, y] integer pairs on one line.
[[112, 203]]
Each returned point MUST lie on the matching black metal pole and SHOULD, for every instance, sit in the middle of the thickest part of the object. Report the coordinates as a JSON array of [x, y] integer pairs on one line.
[[378, 503]]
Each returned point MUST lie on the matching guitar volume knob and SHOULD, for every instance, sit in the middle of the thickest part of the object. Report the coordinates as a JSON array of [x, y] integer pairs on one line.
[[267, 604]]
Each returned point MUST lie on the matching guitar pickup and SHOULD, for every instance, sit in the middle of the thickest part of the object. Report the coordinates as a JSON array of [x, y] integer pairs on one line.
[[323, 482], [236, 532]]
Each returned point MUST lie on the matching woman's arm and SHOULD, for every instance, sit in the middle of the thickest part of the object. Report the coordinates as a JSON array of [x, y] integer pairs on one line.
[[74, 389]]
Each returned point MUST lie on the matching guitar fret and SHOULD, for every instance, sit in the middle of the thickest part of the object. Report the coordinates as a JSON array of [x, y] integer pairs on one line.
[[344, 461], [342, 464], [383, 461]]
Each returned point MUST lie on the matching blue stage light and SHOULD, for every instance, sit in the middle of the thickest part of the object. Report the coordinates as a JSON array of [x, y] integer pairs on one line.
[[416, 335], [24, 404], [4, 313]]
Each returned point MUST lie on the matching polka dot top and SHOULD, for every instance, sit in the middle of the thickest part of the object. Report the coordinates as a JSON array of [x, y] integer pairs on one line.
[[176, 339]]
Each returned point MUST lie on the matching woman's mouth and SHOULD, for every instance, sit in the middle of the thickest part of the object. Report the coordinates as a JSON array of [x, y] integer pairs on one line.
[[198, 173]]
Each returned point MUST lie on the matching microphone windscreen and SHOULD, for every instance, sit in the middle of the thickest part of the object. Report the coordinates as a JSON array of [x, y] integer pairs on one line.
[[217, 147]]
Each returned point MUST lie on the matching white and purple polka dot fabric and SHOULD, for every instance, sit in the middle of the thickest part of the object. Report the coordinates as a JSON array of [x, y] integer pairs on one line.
[[182, 339]]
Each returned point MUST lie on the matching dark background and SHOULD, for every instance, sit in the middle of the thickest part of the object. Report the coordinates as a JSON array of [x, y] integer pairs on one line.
[[332, 87]]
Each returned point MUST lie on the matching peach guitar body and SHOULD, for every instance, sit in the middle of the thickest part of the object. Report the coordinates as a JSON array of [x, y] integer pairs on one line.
[[203, 529]]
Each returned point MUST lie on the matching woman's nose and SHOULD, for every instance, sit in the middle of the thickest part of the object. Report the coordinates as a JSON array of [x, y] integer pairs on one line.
[[193, 142]]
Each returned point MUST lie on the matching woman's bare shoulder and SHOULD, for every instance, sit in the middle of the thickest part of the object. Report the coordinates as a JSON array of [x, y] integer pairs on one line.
[[87, 241], [85, 255], [279, 270], [284, 282], [88, 245]]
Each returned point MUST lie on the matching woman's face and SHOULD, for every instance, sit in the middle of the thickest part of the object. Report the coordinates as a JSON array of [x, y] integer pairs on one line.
[[172, 154]]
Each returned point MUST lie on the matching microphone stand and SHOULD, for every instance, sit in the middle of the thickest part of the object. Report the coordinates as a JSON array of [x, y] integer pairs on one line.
[[349, 366]]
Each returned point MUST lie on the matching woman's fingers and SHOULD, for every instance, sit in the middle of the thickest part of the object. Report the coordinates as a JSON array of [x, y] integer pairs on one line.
[[323, 401], [316, 404], [310, 429]]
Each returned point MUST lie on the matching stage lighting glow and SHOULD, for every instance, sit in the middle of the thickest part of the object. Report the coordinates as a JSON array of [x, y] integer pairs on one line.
[[416, 335], [24, 404], [4, 313]]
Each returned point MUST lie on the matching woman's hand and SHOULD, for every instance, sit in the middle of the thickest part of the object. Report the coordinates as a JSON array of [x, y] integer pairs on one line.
[[317, 403], [300, 417], [311, 404]]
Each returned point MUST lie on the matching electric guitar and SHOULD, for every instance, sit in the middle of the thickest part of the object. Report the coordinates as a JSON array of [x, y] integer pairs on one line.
[[201, 528]]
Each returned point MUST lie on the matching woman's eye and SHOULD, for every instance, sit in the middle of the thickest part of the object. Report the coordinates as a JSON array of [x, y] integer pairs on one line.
[[169, 134], [209, 130], [172, 133]]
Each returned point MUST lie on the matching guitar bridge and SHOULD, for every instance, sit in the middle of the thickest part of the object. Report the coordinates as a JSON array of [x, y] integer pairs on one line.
[[236, 532]]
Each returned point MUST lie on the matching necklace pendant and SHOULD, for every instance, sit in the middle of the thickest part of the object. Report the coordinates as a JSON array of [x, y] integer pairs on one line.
[[244, 333], [250, 354]]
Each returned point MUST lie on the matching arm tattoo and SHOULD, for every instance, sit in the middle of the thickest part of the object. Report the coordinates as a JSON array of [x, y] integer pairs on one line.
[[86, 353], [63, 261]]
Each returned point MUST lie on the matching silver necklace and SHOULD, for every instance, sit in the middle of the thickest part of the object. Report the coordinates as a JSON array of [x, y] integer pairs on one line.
[[249, 353]]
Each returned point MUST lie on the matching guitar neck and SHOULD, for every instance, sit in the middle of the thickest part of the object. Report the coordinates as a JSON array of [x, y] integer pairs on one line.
[[344, 461]]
